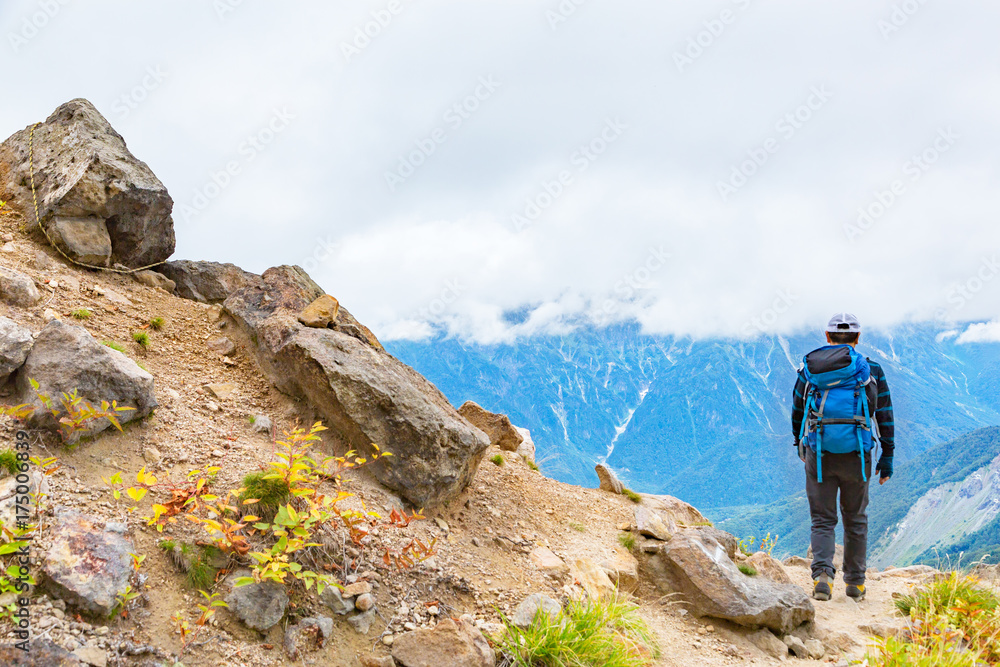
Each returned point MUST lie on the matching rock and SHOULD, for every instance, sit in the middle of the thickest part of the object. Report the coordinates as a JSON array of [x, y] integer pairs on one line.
[[313, 631], [88, 564], [364, 602], [362, 622], [152, 455], [527, 448], [815, 649], [377, 661], [910, 571], [48, 315], [43, 262], [836, 641], [681, 512], [698, 567], [768, 567], [92, 655], [207, 282], [18, 289], [221, 391], [356, 589], [652, 524], [222, 345], [259, 605], [83, 169], [608, 480], [768, 643], [262, 424], [366, 395], [796, 561], [496, 426], [796, 646], [335, 600], [41, 653], [547, 562], [447, 645], [154, 280], [15, 343], [116, 298], [65, 358], [441, 523], [321, 313], [346, 324], [524, 615], [883, 628], [622, 568], [592, 578], [82, 239]]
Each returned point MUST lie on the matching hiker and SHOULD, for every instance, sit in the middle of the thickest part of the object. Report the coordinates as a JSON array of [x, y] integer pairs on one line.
[[840, 409]]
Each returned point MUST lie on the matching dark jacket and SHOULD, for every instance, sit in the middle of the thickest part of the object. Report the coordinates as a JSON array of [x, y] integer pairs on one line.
[[883, 411]]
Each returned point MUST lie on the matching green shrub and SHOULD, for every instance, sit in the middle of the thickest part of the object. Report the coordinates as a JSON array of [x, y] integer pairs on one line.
[[578, 527], [156, 323], [632, 495], [8, 462], [497, 459], [142, 338], [532, 465], [747, 569], [606, 633], [82, 314], [627, 540], [113, 345], [272, 493]]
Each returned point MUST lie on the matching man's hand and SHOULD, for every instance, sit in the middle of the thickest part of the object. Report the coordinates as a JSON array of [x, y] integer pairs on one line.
[[884, 468]]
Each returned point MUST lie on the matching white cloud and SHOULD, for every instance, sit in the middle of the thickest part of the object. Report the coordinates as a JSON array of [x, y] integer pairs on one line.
[[986, 332], [317, 195]]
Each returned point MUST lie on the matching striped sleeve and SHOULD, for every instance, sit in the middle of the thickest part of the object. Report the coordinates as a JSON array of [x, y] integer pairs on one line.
[[883, 411], [798, 407]]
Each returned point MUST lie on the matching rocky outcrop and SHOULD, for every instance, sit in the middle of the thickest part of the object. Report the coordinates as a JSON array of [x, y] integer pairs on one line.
[[65, 358], [366, 394], [679, 511], [527, 448], [498, 427], [91, 189], [15, 343], [260, 605], [18, 289], [207, 282], [154, 279], [701, 569], [89, 563], [651, 523], [447, 645], [608, 479], [594, 580], [768, 567]]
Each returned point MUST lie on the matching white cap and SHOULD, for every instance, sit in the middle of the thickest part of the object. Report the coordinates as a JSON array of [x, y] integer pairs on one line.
[[843, 322]]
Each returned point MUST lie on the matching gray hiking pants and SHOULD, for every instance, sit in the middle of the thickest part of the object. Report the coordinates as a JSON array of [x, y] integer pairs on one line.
[[841, 474]]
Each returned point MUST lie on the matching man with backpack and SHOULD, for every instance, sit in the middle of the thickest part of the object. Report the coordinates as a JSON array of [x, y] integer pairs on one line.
[[841, 408]]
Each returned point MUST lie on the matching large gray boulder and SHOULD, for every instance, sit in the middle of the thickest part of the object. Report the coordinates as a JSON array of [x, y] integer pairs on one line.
[[91, 189], [367, 395], [701, 569], [15, 343], [207, 282], [66, 357], [17, 289], [89, 563], [260, 605]]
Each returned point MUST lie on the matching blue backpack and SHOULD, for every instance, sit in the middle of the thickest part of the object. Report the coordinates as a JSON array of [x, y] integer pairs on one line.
[[840, 397]]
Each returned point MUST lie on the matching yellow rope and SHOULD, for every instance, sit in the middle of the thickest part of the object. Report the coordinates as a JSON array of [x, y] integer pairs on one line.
[[34, 199]]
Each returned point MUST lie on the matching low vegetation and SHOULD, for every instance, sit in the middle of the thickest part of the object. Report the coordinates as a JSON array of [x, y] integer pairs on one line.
[[954, 622], [748, 570], [141, 338], [605, 633], [270, 494], [632, 495], [156, 323], [113, 345], [82, 314], [497, 459], [8, 463], [627, 540]]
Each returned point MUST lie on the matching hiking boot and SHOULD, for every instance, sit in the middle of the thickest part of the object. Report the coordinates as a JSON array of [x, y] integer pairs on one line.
[[856, 591], [821, 589]]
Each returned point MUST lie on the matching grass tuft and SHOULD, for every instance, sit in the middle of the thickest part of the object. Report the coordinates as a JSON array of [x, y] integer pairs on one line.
[[8, 462], [113, 345], [82, 314], [748, 570], [532, 464], [632, 495], [497, 459], [142, 338], [156, 323], [627, 540], [272, 493], [578, 527], [606, 633]]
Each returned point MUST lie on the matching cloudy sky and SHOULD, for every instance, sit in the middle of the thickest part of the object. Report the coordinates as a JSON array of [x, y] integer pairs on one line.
[[501, 168]]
